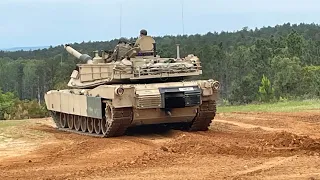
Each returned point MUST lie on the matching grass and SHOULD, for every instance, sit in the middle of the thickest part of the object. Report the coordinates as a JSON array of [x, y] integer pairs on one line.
[[15, 129], [10, 123], [5, 129], [289, 106]]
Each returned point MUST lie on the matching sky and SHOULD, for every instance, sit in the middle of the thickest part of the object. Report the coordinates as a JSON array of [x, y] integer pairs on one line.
[[29, 23]]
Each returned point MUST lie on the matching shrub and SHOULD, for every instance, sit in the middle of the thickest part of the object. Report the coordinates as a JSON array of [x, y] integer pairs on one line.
[[27, 109], [266, 91]]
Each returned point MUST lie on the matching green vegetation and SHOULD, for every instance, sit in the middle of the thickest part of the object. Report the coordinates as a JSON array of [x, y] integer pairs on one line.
[[286, 106], [263, 65], [13, 108], [6, 103], [266, 91]]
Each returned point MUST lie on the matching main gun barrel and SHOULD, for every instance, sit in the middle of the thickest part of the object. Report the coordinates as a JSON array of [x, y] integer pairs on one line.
[[75, 53]]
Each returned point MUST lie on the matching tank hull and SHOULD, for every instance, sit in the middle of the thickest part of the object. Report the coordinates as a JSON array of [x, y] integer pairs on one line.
[[109, 110]]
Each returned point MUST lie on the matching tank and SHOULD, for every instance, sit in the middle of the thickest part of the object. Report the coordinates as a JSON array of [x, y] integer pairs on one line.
[[133, 86]]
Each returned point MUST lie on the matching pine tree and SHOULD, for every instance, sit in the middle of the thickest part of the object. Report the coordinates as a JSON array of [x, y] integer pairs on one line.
[[266, 91]]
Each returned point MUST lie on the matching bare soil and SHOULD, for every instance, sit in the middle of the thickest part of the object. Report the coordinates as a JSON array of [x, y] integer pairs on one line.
[[237, 146]]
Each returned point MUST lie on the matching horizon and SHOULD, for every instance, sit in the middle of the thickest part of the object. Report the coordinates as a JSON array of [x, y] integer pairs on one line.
[[56, 22], [7, 48], [234, 31]]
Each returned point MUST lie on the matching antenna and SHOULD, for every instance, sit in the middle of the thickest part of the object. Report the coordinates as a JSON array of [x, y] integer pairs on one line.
[[120, 20], [182, 17]]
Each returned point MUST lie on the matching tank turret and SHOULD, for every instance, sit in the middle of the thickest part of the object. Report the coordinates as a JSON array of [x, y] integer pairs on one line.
[[132, 64]]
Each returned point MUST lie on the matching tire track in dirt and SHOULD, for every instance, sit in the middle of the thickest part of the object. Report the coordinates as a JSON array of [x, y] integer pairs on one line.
[[76, 154], [264, 166], [293, 176], [249, 126], [232, 143], [301, 123]]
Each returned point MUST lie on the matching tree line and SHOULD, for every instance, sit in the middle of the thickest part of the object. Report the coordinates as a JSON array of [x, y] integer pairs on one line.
[[265, 64]]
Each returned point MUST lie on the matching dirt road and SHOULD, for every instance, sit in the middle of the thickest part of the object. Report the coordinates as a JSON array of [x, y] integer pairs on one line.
[[238, 146]]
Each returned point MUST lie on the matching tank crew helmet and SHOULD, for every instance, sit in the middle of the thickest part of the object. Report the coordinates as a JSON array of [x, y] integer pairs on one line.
[[143, 32], [123, 40]]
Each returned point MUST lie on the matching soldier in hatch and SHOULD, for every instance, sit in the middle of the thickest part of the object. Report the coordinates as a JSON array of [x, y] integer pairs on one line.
[[144, 42], [143, 33], [123, 47], [120, 50]]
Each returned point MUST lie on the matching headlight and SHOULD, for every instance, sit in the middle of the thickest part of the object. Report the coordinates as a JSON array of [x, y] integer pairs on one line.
[[119, 91], [216, 85]]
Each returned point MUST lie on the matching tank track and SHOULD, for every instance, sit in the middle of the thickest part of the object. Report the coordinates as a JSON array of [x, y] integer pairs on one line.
[[205, 115], [56, 118], [122, 118], [201, 122]]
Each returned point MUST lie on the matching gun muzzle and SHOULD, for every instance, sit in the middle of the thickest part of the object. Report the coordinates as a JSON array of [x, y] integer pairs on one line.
[[82, 57]]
